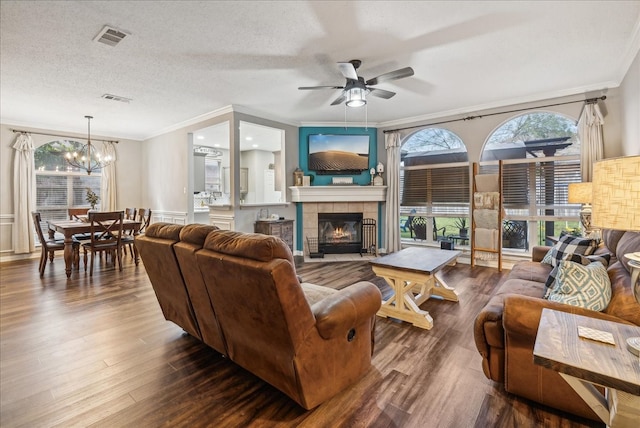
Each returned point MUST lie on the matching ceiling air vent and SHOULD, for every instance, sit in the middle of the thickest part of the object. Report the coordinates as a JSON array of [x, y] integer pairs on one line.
[[110, 36], [116, 98]]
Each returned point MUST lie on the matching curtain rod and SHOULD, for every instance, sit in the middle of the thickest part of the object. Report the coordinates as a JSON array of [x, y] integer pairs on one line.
[[587, 101], [59, 135]]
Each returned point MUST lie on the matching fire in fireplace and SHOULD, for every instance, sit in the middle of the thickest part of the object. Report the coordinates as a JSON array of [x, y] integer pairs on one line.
[[339, 233]]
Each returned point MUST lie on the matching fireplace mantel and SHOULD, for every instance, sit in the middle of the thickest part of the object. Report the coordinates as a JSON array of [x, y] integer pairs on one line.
[[338, 193]]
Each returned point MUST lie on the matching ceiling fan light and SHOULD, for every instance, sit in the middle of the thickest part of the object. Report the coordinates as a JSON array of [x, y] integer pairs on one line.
[[356, 97]]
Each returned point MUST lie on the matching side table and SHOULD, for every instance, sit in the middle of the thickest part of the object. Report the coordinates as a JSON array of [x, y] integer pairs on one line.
[[283, 229], [583, 363], [634, 264]]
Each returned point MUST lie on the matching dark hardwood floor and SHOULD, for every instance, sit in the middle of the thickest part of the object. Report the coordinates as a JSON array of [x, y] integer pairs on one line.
[[98, 352]]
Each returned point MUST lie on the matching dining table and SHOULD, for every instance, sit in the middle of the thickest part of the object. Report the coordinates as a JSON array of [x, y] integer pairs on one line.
[[69, 228]]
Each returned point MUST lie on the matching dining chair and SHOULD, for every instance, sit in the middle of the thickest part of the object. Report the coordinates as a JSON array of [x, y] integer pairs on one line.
[[127, 238], [144, 217], [129, 213], [79, 214], [106, 236], [50, 246]]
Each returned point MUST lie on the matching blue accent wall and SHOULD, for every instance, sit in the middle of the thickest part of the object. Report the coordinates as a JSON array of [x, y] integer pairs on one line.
[[363, 178], [324, 180]]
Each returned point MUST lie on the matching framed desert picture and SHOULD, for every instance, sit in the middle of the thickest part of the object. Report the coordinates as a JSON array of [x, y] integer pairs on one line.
[[338, 154]]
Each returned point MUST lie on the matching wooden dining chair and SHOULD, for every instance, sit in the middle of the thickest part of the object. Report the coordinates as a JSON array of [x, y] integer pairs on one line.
[[50, 246], [106, 236], [144, 217], [129, 213], [127, 238], [79, 214]]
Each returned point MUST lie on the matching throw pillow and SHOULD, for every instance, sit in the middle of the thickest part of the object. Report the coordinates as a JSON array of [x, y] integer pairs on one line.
[[569, 244], [578, 258], [583, 286]]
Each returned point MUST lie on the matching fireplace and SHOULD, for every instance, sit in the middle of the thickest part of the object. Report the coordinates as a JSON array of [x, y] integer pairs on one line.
[[339, 233]]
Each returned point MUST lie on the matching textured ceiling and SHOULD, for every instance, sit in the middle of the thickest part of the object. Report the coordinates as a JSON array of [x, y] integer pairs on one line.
[[184, 59]]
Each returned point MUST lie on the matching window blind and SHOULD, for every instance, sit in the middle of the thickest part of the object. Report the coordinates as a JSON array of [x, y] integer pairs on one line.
[[56, 192], [539, 185], [552, 186], [435, 185]]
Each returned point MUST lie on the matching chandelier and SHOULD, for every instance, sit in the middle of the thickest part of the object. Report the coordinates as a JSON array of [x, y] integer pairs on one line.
[[88, 157]]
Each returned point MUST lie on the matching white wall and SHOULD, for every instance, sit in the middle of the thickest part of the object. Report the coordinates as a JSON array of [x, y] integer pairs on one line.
[[630, 99], [128, 174], [166, 172], [256, 161]]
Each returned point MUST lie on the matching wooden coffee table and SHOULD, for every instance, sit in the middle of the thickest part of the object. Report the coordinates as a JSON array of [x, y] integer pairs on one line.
[[411, 273], [583, 363]]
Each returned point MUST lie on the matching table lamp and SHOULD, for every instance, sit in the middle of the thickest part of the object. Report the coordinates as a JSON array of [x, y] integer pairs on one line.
[[581, 193], [616, 205]]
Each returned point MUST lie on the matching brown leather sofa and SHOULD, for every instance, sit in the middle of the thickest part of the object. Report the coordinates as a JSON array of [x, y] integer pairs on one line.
[[242, 292], [505, 330], [156, 251]]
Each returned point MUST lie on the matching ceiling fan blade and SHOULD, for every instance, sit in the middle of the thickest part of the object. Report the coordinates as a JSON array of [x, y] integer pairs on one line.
[[381, 93], [321, 87], [339, 100], [348, 70], [392, 75]]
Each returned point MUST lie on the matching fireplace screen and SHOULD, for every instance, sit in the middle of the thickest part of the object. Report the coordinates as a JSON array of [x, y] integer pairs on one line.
[[340, 233]]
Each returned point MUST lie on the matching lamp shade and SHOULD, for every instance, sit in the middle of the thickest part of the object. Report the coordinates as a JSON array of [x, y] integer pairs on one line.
[[580, 193], [616, 193]]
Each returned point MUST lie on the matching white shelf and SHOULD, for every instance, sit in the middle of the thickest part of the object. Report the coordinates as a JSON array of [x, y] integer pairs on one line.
[[338, 193]]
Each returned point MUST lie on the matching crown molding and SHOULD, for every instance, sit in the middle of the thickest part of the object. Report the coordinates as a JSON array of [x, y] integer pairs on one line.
[[262, 115], [233, 108], [340, 124], [81, 133], [193, 121]]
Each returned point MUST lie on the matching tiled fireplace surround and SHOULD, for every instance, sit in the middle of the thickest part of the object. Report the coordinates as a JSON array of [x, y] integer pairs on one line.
[[310, 212], [336, 199]]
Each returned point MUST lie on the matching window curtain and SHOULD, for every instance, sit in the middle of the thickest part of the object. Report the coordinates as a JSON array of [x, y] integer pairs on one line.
[[24, 191], [591, 139], [392, 144], [108, 193]]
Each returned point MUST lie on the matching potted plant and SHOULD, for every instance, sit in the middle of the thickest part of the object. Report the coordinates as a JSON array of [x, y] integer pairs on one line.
[[92, 198], [461, 223]]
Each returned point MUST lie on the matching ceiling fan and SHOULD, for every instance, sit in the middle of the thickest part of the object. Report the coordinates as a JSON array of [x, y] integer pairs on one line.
[[356, 88]]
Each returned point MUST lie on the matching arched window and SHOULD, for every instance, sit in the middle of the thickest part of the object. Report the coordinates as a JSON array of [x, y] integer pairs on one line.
[[434, 186], [541, 156], [58, 185]]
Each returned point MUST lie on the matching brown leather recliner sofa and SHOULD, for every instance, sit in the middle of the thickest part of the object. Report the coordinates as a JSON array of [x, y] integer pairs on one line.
[[239, 293], [506, 328]]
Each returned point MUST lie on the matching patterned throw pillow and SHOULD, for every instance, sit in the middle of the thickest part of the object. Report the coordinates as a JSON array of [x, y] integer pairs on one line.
[[583, 286], [578, 258], [569, 244]]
